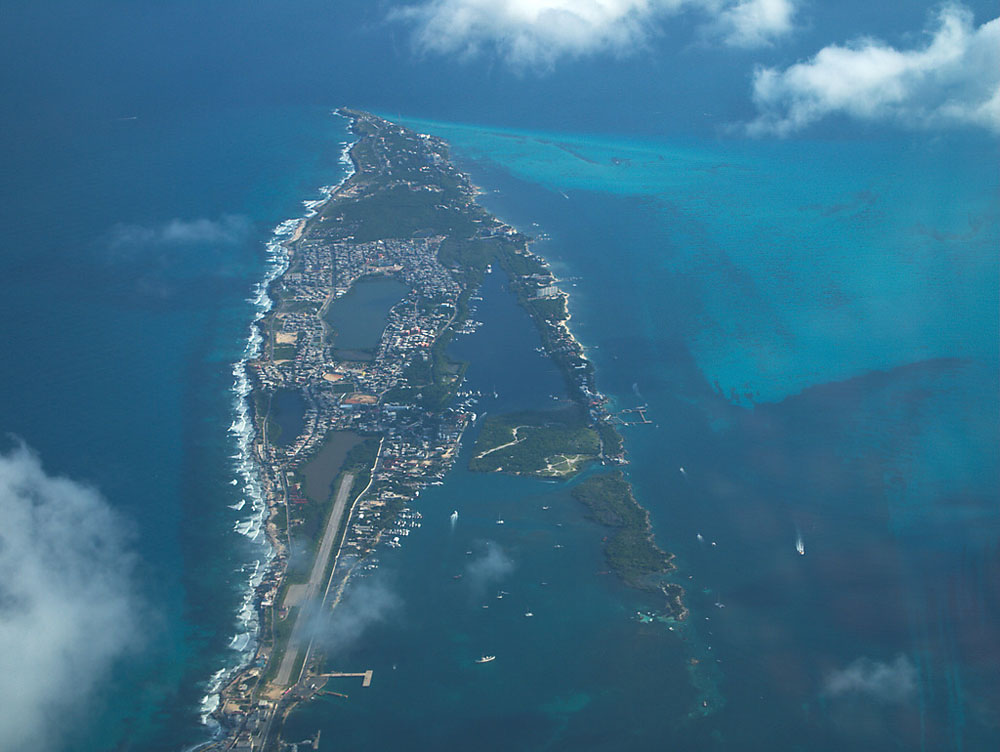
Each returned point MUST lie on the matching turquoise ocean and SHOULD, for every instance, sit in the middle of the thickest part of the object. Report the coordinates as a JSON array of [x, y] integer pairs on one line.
[[814, 331], [812, 322]]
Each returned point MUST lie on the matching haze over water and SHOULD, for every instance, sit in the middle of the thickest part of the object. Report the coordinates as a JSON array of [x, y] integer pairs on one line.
[[812, 322]]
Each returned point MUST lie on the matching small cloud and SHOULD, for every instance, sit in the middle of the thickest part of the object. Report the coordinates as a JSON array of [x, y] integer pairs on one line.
[[538, 33], [953, 79], [755, 23], [227, 230], [68, 609], [887, 682], [490, 566], [364, 604], [163, 260]]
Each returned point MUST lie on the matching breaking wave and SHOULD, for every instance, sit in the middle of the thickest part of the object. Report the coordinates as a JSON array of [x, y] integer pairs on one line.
[[244, 640]]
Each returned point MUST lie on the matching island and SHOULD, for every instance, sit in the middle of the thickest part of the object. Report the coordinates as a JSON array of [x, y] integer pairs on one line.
[[631, 550], [543, 443], [357, 406]]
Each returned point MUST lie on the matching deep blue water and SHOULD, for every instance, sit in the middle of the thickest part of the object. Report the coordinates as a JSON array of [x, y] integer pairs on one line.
[[883, 454], [118, 369], [884, 457], [813, 324]]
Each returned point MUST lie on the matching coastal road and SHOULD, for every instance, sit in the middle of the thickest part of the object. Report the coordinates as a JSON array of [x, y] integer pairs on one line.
[[315, 585]]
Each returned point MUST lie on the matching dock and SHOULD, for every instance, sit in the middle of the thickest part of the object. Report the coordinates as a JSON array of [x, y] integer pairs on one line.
[[637, 411], [365, 676]]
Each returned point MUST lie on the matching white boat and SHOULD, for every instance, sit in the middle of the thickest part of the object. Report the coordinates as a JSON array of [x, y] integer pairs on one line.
[[800, 546], [486, 659]]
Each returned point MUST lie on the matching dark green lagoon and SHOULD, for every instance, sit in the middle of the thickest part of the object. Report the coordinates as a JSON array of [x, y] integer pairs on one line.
[[323, 468], [359, 317]]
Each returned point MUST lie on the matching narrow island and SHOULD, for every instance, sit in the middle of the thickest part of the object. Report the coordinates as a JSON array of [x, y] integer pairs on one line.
[[630, 549], [357, 406], [543, 443]]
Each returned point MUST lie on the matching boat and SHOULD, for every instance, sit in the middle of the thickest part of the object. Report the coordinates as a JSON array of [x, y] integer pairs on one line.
[[486, 659], [499, 521], [800, 546], [528, 613]]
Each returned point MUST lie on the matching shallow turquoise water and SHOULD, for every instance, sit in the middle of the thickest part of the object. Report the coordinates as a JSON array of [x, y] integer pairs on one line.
[[871, 428], [812, 261], [864, 420], [116, 369]]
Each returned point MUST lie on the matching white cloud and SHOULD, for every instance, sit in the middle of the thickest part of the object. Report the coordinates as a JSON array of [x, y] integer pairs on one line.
[[488, 567], [536, 33], [755, 23], [364, 605], [227, 230], [888, 682], [954, 78], [67, 608]]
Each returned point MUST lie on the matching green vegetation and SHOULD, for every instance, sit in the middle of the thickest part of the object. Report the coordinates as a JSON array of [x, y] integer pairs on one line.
[[631, 551], [611, 441], [548, 309], [341, 387], [549, 443], [468, 258], [299, 306], [395, 204], [518, 264], [360, 461], [284, 352]]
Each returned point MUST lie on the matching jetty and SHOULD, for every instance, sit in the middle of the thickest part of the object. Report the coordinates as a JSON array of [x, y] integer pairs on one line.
[[365, 676]]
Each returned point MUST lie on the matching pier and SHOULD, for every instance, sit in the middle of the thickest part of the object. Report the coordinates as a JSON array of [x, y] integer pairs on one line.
[[365, 676], [639, 412]]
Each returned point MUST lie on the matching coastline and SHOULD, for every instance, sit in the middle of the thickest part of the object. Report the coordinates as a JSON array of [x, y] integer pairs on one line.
[[246, 459], [441, 249]]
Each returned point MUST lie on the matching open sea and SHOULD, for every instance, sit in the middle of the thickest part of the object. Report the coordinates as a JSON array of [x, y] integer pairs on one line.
[[790, 313], [812, 324]]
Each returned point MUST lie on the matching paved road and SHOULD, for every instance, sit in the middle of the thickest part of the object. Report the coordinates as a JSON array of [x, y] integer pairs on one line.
[[315, 586]]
